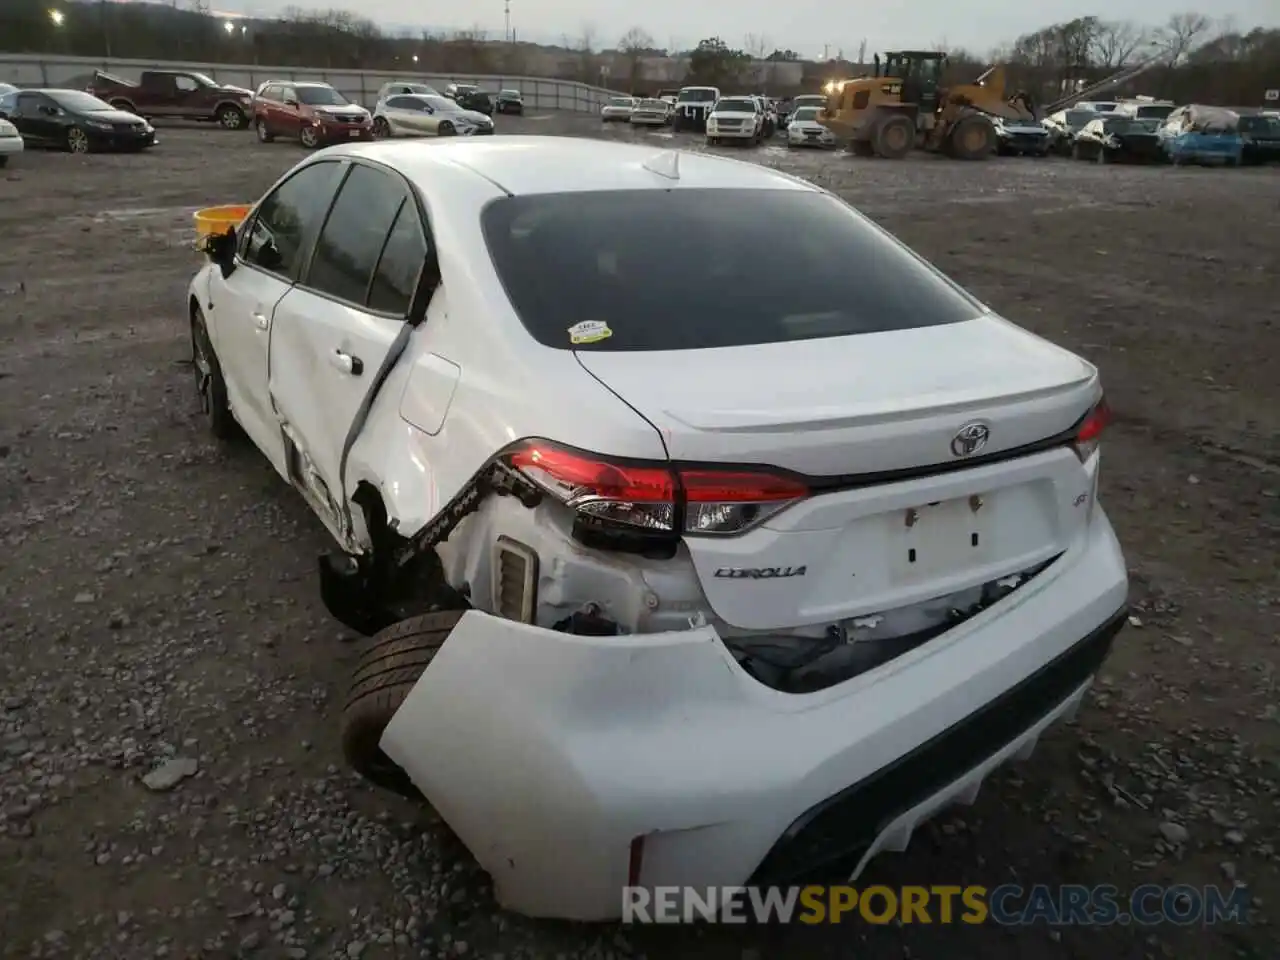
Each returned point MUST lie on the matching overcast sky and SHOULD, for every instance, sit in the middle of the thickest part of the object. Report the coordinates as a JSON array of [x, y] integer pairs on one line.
[[803, 25]]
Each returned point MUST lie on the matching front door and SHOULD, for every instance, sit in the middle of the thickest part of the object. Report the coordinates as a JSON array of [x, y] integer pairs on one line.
[[332, 332]]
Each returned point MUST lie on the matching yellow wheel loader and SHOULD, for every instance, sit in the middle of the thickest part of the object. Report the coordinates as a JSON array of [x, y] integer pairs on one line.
[[903, 106]]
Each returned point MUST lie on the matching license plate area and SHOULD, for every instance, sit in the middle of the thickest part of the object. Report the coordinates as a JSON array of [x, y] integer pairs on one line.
[[353, 133], [943, 537]]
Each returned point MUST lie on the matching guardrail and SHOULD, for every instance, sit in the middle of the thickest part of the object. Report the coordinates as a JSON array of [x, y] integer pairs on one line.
[[359, 86]]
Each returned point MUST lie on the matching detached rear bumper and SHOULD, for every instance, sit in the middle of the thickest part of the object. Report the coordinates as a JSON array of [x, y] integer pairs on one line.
[[549, 754]]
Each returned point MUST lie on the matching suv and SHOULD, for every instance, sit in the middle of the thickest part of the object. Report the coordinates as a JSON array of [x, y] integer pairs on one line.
[[313, 113], [735, 118], [692, 107], [509, 101], [177, 94]]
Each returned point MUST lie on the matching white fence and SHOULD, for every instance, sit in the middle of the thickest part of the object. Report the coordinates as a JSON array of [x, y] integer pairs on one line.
[[360, 86]]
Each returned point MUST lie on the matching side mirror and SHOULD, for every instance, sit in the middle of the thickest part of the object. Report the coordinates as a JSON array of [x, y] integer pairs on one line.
[[291, 103], [221, 248], [49, 111]]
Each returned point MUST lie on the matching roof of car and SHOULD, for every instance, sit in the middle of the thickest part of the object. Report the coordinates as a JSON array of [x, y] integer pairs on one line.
[[531, 164], [304, 83]]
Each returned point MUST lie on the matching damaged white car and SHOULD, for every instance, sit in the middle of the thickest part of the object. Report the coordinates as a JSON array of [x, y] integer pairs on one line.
[[669, 582]]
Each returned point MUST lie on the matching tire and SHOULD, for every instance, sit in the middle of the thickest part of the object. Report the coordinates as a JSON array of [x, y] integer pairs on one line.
[[392, 663], [263, 135], [1075, 152], [894, 137], [1102, 159], [77, 140], [211, 388], [972, 138], [445, 129], [381, 128], [308, 137], [231, 117]]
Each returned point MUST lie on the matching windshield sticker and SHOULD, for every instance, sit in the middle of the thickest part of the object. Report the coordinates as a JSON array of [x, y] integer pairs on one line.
[[589, 331]]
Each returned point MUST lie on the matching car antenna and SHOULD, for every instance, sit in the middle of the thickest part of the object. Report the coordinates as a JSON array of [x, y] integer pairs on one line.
[[666, 163]]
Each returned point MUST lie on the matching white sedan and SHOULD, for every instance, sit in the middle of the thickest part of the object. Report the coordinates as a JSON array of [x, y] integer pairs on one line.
[[670, 583], [419, 115], [10, 141], [618, 110], [804, 130]]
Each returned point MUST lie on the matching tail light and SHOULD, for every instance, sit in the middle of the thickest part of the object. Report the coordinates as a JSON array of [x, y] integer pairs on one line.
[[657, 497], [1091, 427]]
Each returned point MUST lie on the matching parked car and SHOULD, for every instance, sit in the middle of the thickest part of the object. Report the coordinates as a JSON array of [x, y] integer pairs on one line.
[[312, 113], [693, 104], [735, 118], [618, 110], [10, 139], [478, 101], [74, 120], [454, 90], [651, 112], [509, 101], [1112, 138], [1063, 127], [419, 115], [858, 521], [1098, 106], [1204, 135], [768, 115], [175, 94], [400, 87], [1146, 109], [7, 88], [804, 130], [1260, 136], [1021, 137]]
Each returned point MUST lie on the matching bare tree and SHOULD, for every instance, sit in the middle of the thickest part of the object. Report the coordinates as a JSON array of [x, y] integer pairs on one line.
[[1116, 41], [757, 47], [635, 44], [588, 67], [1182, 34]]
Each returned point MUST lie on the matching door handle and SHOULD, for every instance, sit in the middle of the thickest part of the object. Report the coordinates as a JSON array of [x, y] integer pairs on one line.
[[347, 363], [260, 321]]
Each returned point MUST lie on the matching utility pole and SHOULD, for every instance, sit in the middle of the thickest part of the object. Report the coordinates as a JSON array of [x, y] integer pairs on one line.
[[862, 52], [507, 11], [826, 49]]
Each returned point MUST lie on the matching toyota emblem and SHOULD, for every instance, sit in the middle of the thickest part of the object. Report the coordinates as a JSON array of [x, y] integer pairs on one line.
[[970, 438]]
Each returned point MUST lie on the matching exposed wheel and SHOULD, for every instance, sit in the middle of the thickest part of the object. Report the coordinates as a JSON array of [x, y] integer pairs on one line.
[[231, 117], [386, 672], [309, 137], [1075, 152], [211, 388], [381, 128], [264, 135], [77, 140], [973, 138], [893, 137], [445, 129]]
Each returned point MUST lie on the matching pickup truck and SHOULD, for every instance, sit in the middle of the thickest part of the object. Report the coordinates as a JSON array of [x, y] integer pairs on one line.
[[176, 94]]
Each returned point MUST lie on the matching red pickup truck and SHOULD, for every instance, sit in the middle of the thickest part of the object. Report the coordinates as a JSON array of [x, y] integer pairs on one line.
[[176, 94]]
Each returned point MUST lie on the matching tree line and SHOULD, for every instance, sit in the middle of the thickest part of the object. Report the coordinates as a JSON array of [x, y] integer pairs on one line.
[[1198, 59]]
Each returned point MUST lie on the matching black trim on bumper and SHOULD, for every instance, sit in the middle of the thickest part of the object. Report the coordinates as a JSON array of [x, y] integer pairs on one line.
[[827, 841]]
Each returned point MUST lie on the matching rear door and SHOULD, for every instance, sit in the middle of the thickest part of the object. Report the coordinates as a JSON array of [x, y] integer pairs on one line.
[[287, 113], [273, 247], [161, 95], [33, 121], [332, 332]]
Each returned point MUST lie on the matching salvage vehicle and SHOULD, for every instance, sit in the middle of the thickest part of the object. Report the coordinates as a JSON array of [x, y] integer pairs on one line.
[[421, 115], [1203, 135], [1063, 127], [1021, 137], [668, 582], [312, 113], [692, 107], [804, 130], [651, 113], [10, 139], [509, 101], [1146, 108], [76, 121], [175, 94], [618, 110], [1260, 138], [1113, 138], [739, 119]]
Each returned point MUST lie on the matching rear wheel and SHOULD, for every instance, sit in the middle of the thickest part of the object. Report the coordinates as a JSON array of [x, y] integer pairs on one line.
[[381, 128], [264, 135], [445, 129], [893, 137], [391, 665], [972, 138], [231, 117]]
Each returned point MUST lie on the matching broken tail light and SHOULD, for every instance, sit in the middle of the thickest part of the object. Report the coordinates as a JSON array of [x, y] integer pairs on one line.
[[1091, 428], [656, 497]]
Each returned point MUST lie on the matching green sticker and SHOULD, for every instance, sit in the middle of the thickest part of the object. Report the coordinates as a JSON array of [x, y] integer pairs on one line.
[[589, 331]]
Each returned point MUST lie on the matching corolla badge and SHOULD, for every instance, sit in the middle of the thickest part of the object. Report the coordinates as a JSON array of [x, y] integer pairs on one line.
[[970, 438]]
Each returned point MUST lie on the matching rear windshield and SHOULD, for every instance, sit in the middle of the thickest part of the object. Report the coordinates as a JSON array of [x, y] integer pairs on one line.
[[1156, 112], [680, 269]]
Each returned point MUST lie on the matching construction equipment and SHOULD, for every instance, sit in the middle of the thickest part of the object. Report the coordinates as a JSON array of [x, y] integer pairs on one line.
[[903, 106]]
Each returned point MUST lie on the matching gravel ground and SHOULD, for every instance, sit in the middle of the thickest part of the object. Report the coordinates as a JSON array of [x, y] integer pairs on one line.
[[158, 607]]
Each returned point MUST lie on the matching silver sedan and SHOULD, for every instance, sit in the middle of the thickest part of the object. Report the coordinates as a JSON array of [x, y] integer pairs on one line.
[[419, 115]]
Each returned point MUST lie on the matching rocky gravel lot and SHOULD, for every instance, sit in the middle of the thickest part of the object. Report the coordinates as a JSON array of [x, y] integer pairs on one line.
[[170, 782]]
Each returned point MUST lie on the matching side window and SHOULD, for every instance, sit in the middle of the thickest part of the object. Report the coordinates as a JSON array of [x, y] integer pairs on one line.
[[288, 93], [185, 84], [402, 260], [402, 103], [277, 237], [352, 238], [29, 104]]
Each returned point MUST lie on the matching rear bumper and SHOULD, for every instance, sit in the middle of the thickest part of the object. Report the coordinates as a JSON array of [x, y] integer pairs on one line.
[[549, 778]]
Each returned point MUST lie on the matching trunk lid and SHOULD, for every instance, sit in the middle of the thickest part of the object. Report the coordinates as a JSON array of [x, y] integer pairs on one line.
[[845, 410]]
